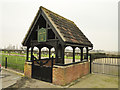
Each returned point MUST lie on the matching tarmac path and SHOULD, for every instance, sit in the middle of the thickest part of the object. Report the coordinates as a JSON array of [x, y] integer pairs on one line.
[[8, 78]]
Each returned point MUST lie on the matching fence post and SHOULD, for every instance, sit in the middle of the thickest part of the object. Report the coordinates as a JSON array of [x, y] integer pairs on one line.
[[90, 63], [51, 69], [5, 62], [52, 62]]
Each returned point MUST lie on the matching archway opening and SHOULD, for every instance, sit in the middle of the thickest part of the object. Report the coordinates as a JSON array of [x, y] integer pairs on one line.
[[44, 52], [68, 55], [52, 52], [77, 54], [29, 54], [36, 52], [84, 53]]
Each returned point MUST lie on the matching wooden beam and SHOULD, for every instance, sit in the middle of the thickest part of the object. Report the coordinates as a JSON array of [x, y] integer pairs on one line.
[[49, 52], [87, 53], [39, 53], [81, 48], [32, 53], [27, 55], [63, 51], [56, 52], [49, 43], [73, 54]]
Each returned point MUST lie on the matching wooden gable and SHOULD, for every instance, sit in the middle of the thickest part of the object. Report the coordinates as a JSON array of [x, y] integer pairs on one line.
[[56, 27]]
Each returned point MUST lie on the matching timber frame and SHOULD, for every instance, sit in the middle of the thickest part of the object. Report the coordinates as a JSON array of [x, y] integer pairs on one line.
[[57, 36]]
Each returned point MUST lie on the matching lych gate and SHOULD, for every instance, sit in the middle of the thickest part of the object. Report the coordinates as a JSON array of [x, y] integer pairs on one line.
[[49, 29]]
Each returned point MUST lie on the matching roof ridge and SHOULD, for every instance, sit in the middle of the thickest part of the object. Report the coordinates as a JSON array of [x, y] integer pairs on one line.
[[41, 7]]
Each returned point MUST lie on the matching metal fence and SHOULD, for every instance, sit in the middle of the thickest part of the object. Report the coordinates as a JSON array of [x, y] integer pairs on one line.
[[13, 62], [106, 66]]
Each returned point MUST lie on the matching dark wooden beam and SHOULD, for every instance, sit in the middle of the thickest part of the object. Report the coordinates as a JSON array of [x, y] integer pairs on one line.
[[46, 29], [73, 54], [27, 55], [63, 51], [56, 52], [32, 53], [77, 44], [81, 48], [46, 44], [39, 53], [87, 53], [49, 52]]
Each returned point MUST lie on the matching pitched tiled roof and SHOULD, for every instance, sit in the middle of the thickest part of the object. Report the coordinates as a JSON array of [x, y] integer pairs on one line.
[[67, 28]]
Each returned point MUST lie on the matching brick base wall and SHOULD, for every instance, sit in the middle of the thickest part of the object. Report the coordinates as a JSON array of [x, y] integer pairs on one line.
[[28, 69], [63, 75]]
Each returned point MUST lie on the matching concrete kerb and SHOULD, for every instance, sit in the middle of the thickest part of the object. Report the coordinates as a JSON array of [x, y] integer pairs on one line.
[[18, 73]]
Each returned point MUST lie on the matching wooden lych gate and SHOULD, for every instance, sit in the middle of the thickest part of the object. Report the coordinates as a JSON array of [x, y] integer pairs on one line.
[[52, 31]]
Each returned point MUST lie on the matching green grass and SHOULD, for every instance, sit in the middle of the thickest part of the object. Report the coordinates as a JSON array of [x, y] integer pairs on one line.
[[15, 62]]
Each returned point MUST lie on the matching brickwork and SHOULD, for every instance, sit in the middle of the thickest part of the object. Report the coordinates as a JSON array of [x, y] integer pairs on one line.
[[63, 75], [28, 69]]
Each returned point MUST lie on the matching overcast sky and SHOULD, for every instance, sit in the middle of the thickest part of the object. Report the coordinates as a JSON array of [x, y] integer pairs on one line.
[[97, 19]]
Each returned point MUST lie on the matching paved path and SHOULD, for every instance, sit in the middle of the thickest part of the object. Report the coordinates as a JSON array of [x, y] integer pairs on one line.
[[8, 78], [89, 81], [96, 81]]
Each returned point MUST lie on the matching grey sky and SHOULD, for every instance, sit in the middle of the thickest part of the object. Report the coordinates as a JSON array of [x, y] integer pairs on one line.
[[97, 19]]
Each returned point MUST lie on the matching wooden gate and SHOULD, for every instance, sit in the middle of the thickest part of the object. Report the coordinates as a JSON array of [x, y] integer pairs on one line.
[[42, 70]]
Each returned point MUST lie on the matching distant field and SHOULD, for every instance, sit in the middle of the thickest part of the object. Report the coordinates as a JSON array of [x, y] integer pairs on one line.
[[42, 55], [15, 62]]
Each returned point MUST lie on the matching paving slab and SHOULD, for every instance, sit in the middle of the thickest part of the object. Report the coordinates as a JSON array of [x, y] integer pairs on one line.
[[8, 78], [96, 81], [13, 80]]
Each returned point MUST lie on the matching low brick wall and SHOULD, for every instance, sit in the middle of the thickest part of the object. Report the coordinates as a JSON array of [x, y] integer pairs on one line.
[[28, 69], [63, 75]]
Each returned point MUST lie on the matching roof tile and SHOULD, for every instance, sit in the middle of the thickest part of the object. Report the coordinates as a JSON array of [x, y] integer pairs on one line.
[[68, 29]]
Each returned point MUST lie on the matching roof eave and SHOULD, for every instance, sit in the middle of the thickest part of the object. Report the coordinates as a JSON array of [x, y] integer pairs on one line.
[[78, 44]]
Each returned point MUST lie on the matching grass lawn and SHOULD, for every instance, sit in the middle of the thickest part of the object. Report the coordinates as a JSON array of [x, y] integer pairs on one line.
[[15, 62]]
